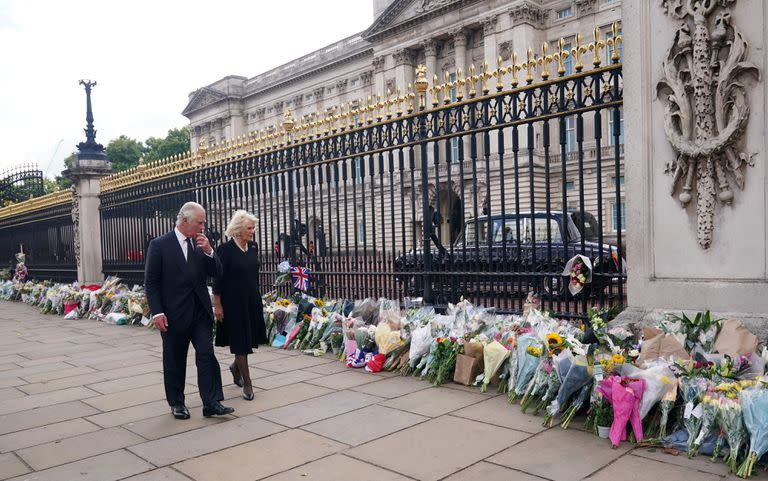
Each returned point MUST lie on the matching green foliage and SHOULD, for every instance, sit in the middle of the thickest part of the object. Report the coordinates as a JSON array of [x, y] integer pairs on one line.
[[176, 142], [124, 153]]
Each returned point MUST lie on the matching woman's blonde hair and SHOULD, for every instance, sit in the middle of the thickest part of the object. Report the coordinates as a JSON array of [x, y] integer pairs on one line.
[[236, 222]]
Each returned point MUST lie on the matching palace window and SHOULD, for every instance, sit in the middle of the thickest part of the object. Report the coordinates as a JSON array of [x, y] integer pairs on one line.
[[570, 133], [565, 13], [618, 216], [568, 62], [361, 232], [611, 138], [454, 140], [570, 185]]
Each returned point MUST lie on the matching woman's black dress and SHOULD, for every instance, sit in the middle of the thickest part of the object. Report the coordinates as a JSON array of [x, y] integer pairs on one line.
[[243, 327]]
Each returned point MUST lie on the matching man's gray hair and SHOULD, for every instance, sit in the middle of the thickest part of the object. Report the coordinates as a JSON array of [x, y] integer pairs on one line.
[[188, 211], [236, 223]]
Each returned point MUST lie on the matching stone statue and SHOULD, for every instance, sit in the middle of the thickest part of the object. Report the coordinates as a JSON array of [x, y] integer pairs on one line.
[[706, 106]]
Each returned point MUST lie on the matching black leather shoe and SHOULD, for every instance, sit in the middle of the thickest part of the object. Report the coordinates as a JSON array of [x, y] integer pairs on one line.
[[180, 411], [217, 409], [235, 378]]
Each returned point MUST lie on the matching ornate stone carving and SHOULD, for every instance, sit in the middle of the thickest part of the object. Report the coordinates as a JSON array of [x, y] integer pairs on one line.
[[459, 37], [489, 25], [298, 100], [528, 13], [427, 5], [341, 86], [430, 48], [403, 57], [378, 63], [585, 7], [76, 223], [505, 49], [261, 112], [318, 93], [366, 77], [706, 106], [390, 84]]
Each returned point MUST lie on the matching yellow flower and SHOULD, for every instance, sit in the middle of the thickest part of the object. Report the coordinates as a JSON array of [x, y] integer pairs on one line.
[[617, 358], [554, 339], [319, 302]]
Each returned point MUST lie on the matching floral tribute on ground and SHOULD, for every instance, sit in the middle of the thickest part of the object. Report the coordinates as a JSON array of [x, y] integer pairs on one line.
[[692, 384]]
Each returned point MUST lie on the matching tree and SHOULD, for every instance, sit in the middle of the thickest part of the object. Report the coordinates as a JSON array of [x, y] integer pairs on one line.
[[124, 153], [176, 142], [63, 182]]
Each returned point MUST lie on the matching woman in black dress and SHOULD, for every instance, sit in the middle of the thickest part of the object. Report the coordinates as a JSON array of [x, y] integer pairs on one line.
[[237, 301]]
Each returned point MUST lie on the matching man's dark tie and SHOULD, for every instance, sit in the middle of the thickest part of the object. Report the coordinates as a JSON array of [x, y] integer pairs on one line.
[[190, 250]]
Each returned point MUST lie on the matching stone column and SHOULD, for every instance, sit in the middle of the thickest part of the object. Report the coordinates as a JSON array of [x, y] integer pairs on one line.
[[489, 40], [403, 68], [86, 177], [378, 73], [697, 221], [460, 52], [430, 56]]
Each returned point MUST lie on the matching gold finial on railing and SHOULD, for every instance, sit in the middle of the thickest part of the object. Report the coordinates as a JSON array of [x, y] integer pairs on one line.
[[514, 69], [388, 104], [472, 81], [411, 97], [202, 147], [486, 75], [400, 99], [141, 165], [460, 82], [287, 125], [530, 65], [446, 87], [379, 105], [545, 60], [578, 51], [596, 47], [499, 74], [421, 85], [615, 42], [560, 56], [434, 91]]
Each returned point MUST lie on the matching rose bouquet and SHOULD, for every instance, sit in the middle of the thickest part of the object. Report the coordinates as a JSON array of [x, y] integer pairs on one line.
[[579, 272]]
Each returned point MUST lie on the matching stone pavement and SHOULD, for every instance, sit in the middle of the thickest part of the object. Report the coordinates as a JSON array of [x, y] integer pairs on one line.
[[82, 400]]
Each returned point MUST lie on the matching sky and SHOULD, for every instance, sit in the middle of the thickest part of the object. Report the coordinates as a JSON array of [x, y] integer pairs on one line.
[[146, 57]]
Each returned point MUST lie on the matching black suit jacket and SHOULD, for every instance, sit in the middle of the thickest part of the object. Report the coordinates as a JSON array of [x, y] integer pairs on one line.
[[172, 284]]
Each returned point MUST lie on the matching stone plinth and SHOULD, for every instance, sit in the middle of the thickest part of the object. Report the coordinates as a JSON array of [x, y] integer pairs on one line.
[[670, 266]]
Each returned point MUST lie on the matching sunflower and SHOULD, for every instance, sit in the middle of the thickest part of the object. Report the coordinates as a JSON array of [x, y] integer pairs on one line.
[[617, 358], [319, 302], [554, 339]]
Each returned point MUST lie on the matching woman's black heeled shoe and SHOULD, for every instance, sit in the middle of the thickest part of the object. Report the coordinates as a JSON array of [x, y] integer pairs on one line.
[[247, 397], [235, 378]]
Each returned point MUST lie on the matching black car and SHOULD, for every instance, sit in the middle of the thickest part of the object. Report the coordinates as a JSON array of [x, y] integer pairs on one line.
[[514, 253]]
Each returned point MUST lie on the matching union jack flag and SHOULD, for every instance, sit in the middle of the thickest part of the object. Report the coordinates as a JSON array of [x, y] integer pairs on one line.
[[300, 277]]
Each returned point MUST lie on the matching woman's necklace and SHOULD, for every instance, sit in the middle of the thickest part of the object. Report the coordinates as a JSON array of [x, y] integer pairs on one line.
[[242, 248]]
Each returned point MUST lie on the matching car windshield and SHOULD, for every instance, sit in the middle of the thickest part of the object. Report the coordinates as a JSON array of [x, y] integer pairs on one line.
[[507, 229]]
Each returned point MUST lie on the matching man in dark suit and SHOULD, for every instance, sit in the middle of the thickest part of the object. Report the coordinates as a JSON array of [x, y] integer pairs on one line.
[[175, 273]]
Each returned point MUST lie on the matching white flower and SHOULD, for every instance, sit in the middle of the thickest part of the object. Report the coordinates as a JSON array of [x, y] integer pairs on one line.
[[284, 267]]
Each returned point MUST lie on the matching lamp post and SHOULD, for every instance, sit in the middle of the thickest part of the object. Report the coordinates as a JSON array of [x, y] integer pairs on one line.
[[90, 149]]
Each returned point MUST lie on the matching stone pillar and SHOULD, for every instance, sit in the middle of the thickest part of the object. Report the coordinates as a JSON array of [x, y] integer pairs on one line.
[[403, 68], [378, 73], [460, 51], [86, 182], [489, 40], [697, 221], [430, 59]]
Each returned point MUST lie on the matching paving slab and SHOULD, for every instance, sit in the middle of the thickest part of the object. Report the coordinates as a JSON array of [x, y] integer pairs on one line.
[[166, 425], [10, 393], [363, 425], [490, 472], [261, 458], [344, 380], [63, 383], [337, 467], [311, 410], [634, 468], [283, 379], [131, 414], [105, 467], [11, 466], [393, 387], [434, 401], [497, 410], [274, 398], [162, 474], [118, 400], [179, 447], [437, 448], [127, 383], [291, 363], [44, 434], [45, 399], [77, 447], [699, 463], [564, 455], [33, 418]]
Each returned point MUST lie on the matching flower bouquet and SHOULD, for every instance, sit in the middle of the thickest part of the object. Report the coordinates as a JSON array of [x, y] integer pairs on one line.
[[692, 388], [754, 406], [494, 355], [735, 431], [579, 272]]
